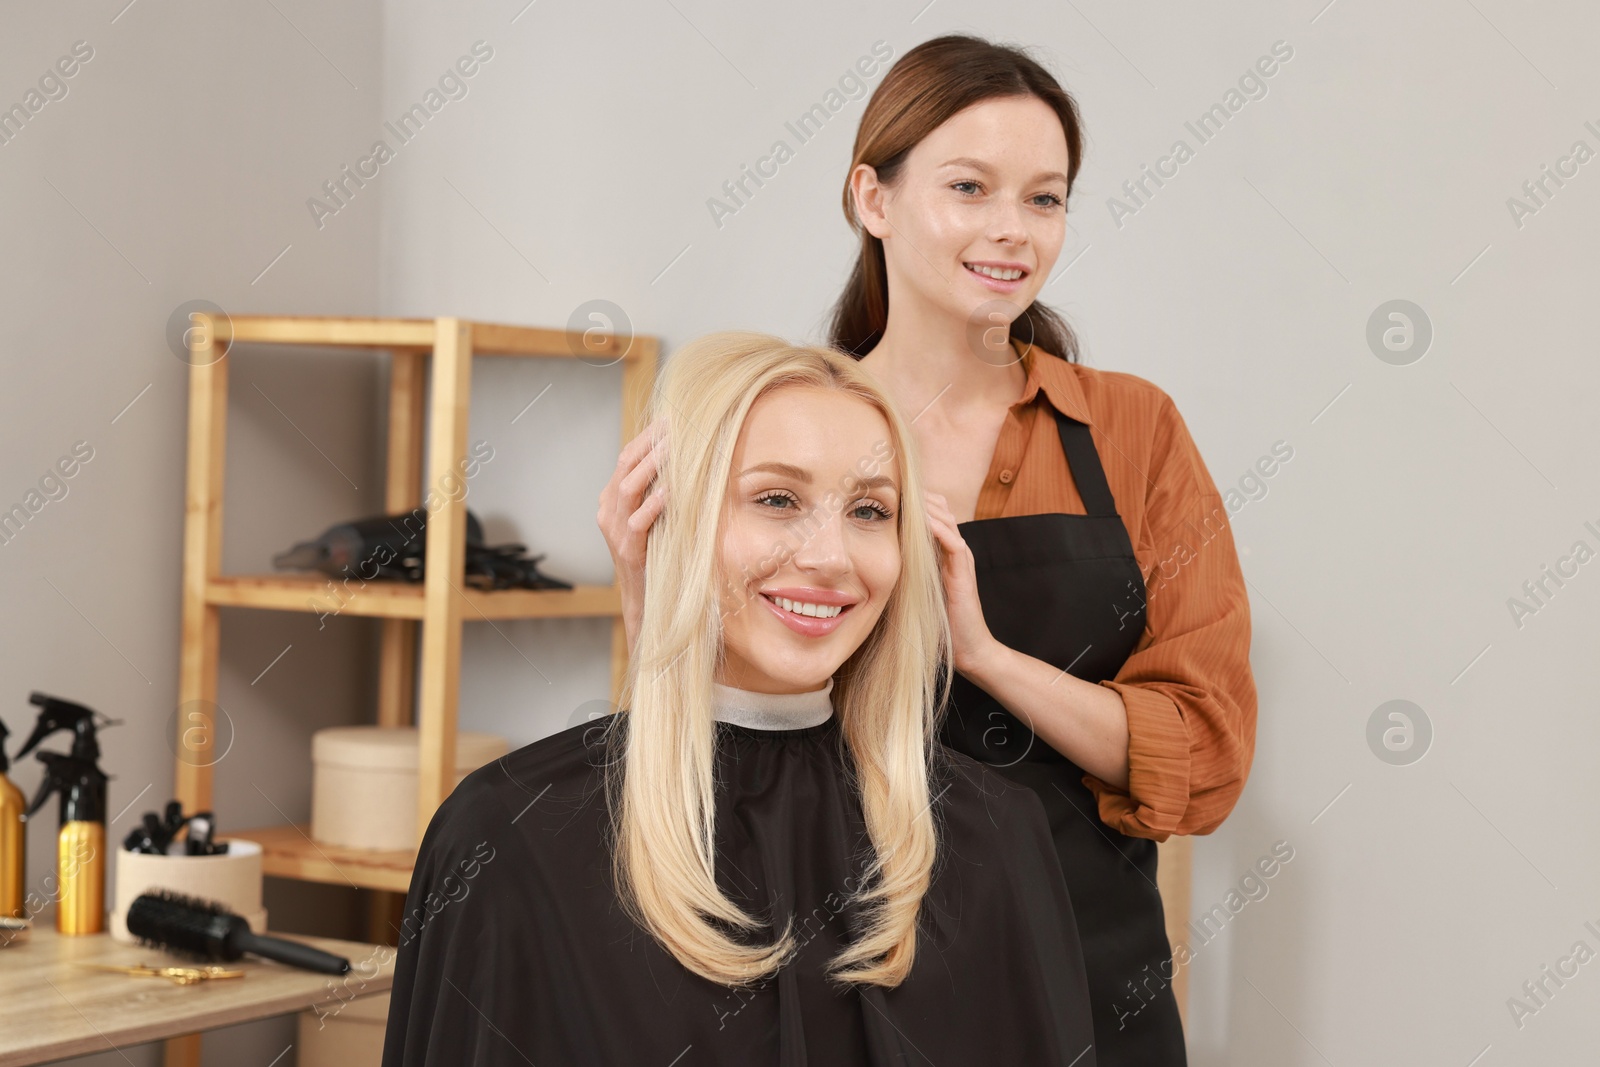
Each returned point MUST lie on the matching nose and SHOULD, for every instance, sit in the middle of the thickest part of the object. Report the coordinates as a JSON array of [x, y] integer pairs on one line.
[[823, 550], [1005, 224]]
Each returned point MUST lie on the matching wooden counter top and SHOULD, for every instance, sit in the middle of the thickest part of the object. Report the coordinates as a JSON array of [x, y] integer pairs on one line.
[[51, 1008]]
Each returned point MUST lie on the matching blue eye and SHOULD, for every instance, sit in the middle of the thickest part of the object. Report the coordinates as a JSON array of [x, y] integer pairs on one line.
[[778, 495]]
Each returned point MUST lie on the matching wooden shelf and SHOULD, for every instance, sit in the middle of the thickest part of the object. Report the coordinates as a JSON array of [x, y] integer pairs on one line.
[[386, 599], [485, 338], [289, 852], [430, 385]]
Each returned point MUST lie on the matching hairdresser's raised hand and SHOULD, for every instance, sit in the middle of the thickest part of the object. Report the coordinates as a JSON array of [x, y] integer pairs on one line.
[[628, 506], [970, 638]]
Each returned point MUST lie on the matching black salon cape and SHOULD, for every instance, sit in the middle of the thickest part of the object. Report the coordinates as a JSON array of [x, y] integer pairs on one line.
[[515, 951]]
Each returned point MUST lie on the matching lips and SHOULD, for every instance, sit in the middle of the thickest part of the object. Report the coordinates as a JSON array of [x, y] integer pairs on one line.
[[1003, 285], [810, 625]]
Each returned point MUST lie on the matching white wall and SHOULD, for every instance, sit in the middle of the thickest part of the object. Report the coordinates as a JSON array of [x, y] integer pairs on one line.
[[176, 168], [1377, 167]]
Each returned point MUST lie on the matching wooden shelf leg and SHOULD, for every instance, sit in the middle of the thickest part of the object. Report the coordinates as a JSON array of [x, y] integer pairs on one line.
[[440, 680], [182, 1051], [202, 561], [408, 387], [397, 673]]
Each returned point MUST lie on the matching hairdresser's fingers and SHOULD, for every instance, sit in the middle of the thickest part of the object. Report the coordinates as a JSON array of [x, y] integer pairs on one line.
[[968, 631], [636, 483], [642, 442], [635, 451], [632, 537], [958, 558], [940, 515], [630, 563], [939, 507], [648, 510], [628, 556], [942, 534], [958, 555], [628, 541], [622, 483], [636, 467]]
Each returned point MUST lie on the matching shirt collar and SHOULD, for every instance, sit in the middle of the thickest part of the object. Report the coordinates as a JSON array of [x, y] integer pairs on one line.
[[1056, 378]]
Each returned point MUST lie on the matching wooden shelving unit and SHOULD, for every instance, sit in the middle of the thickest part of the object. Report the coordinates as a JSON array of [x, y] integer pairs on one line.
[[424, 352]]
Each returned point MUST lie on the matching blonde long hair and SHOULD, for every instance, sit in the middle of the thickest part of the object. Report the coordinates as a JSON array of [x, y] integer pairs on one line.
[[887, 695]]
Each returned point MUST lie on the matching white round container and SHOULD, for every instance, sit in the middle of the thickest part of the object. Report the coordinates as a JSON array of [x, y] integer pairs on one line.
[[364, 783], [232, 878]]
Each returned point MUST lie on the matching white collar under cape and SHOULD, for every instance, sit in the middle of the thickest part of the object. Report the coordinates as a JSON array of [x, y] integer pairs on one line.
[[772, 711]]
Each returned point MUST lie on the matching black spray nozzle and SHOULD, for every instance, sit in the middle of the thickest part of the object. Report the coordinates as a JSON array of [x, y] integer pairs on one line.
[[5, 761], [57, 714], [82, 786]]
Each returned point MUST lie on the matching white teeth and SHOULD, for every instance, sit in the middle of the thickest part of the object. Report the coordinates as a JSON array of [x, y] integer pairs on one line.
[[820, 611], [996, 272]]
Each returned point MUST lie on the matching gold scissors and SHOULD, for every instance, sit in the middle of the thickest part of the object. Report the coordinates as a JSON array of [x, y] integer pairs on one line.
[[177, 975]]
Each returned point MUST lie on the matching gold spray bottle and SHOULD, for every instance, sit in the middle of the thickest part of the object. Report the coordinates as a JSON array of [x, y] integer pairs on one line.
[[13, 839], [81, 841]]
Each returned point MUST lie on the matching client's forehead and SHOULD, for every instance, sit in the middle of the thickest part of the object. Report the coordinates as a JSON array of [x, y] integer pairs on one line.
[[824, 433]]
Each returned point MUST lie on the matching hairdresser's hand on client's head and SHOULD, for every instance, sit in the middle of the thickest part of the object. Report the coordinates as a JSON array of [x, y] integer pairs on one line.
[[970, 640], [628, 506]]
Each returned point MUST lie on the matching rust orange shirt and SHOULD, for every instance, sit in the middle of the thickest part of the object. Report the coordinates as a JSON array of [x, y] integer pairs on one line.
[[1190, 695]]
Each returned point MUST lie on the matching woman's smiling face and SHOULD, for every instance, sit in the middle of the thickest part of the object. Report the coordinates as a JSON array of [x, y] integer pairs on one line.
[[984, 194], [811, 546]]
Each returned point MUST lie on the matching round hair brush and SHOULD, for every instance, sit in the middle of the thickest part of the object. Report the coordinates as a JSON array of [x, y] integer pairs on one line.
[[164, 918]]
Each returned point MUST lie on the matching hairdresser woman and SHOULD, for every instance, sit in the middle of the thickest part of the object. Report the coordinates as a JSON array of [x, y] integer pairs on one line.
[[1101, 629]]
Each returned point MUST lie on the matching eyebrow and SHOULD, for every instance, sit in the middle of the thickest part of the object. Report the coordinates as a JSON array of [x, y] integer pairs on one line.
[[980, 165], [799, 474]]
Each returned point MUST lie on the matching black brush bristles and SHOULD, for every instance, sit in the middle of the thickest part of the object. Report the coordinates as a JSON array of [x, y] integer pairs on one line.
[[166, 918]]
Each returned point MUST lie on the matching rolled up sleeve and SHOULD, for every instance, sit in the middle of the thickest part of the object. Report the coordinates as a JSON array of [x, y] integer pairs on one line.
[[1188, 687]]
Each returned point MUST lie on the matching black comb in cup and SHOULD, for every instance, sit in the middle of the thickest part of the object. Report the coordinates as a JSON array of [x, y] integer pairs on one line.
[[164, 918]]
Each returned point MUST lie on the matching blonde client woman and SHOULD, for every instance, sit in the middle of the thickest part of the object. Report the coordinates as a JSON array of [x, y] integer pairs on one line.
[[767, 858]]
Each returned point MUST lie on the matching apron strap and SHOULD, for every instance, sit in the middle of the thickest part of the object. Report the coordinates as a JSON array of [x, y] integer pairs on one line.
[[1084, 463]]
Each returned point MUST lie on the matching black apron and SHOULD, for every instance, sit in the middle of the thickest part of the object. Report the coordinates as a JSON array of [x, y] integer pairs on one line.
[[1067, 589]]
